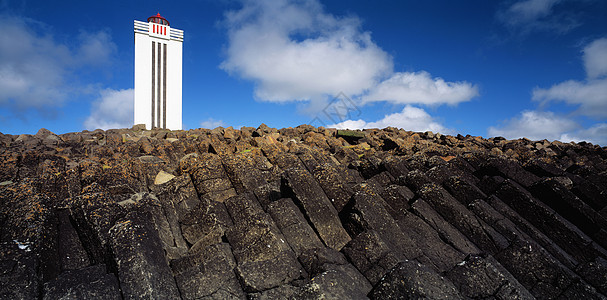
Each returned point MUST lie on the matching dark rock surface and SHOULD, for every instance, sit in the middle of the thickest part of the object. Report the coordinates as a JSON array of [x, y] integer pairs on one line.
[[300, 213]]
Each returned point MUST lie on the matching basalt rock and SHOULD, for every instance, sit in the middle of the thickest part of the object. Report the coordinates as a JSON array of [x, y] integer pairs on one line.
[[300, 213]]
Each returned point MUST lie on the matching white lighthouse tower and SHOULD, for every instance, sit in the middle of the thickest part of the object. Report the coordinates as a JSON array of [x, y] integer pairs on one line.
[[158, 66]]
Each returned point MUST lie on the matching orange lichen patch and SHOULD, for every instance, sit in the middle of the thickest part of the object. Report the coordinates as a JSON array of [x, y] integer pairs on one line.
[[448, 158]]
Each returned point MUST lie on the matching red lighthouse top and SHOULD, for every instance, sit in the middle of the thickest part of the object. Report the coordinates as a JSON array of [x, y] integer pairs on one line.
[[158, 19]]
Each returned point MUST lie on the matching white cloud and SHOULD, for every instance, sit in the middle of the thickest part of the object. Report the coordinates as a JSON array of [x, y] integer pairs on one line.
[[113, 109], [537, 15], [595, 58], [38, 72], [535, 125], [32, 66], [294, 50], [410, 118], [211, 123], [530, 10], [590, 95], [421, 88], [597, 134], [331, 54], [95, 48]]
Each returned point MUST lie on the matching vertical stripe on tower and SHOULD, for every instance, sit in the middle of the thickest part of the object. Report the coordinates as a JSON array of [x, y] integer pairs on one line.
[[153, 80], [159, 75], [164, 88]]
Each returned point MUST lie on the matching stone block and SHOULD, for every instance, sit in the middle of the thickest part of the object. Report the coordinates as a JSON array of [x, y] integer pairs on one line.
[[568, 205], [595, 273], [535, 269], [261, 275], [411, 280], [368, 212], [317, 207], [436, 252], [557, 228], [464, 191], [142, 268], [207, 273], [480, 233], [479, 277], [371, 256], [294, 226], [340, 282], [88, 283]]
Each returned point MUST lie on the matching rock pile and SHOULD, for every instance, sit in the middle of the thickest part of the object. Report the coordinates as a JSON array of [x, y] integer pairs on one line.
[[303, 213]]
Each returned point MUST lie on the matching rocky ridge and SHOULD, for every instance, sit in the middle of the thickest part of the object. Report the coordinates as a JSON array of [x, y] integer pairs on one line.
[[303, 213]]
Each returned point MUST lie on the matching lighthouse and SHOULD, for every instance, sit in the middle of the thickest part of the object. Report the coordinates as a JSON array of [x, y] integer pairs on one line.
[[158, 68]]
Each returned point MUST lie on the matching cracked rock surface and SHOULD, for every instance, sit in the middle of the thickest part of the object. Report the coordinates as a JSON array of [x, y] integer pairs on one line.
[[300, 213]]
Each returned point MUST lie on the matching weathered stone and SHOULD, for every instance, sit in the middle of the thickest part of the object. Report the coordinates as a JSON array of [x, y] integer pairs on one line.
[[436, 252], [411, 280], [255, 240], [535, 269], [142, 268], [207, 273], [206, 223], [89, 283], [261, 275], [293, 225], [285, 291], [340, 282], [397, 197], [367, 212], [483, 277], [71, 252], [563, 201], [521, 228], [416, 179], [543, 169], [561, 231], [581, 290], [18, 271], [508, 169], [591, 193], [595, 273], [163, 177], [318, 260], [463, 190], [485, 237], [242, 172], [317, 207], [262, 213], [371, 256], [95, 213], [209, 176], [334, 184]]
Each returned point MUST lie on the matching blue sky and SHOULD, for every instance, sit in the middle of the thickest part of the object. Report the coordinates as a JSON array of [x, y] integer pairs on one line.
[[533, 68]]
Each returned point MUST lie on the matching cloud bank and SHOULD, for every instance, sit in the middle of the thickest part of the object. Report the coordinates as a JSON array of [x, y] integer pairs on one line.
[[113, 109], [38, 72], [294, 50], [548, 125], [590, 95], [211, 123], [527, 16], [420, 87], [410, 118], [535, 125]]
